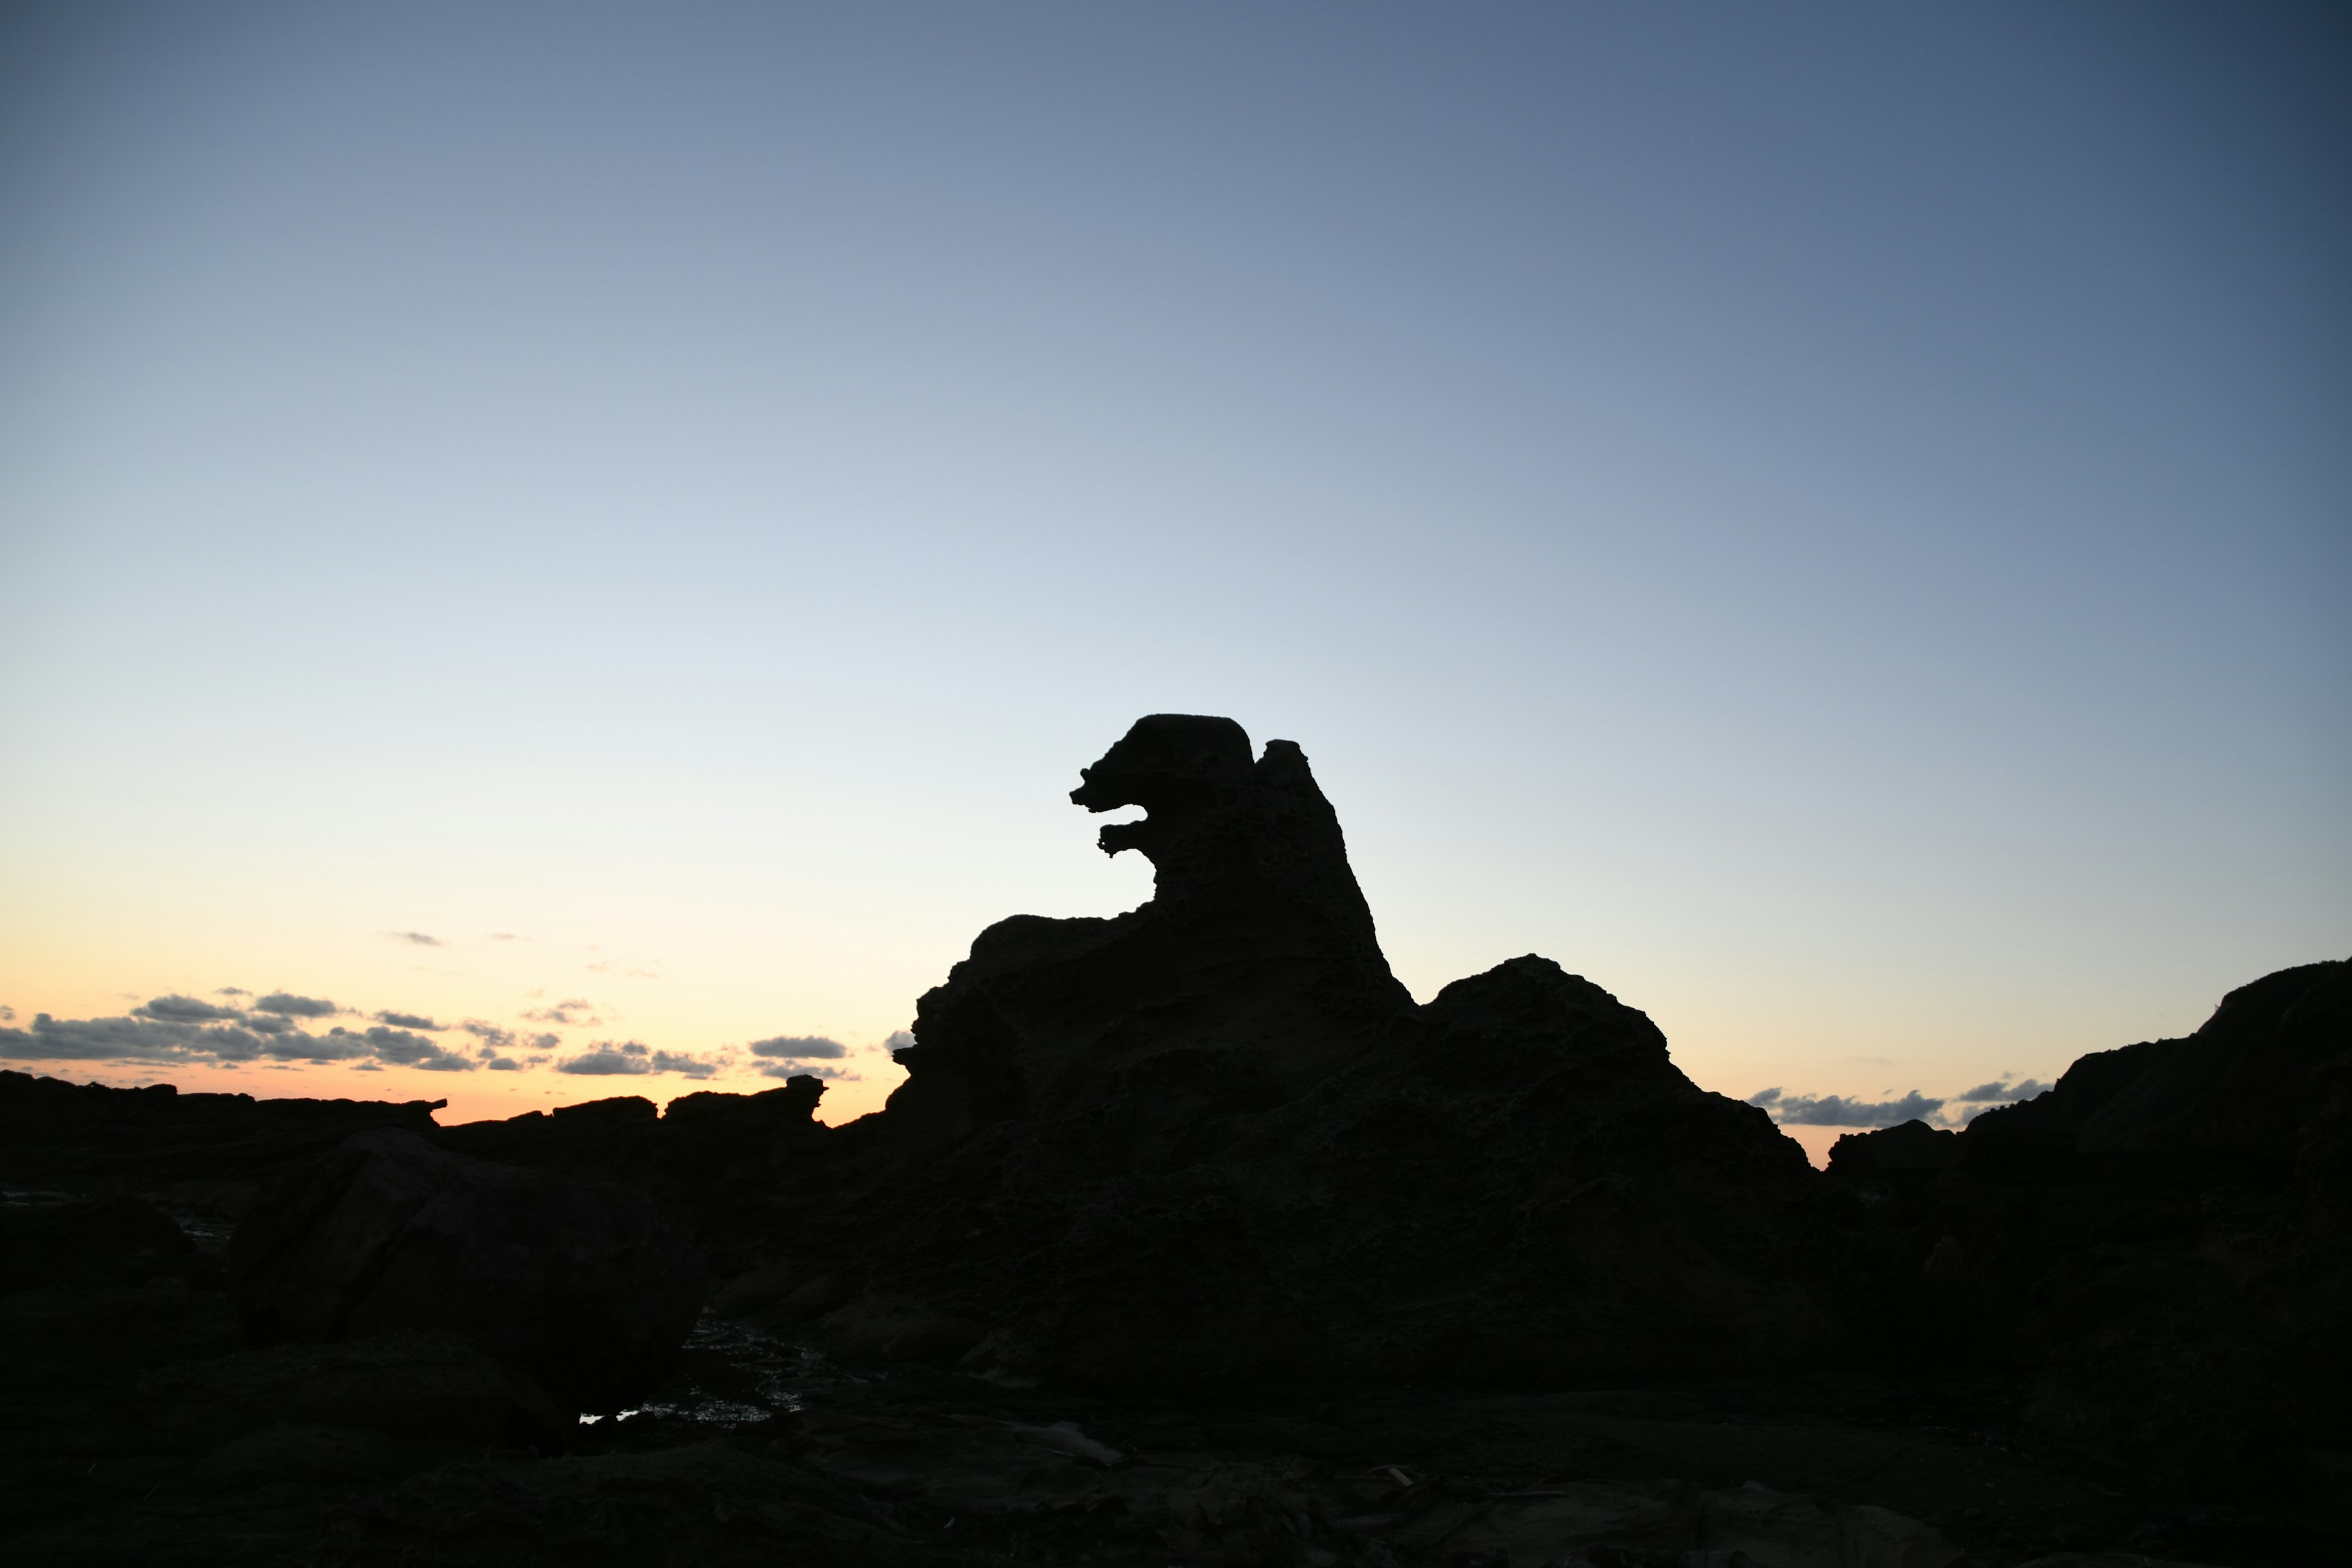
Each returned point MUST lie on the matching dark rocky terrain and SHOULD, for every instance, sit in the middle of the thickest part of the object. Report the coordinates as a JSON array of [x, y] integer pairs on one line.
[[1191, 1239]]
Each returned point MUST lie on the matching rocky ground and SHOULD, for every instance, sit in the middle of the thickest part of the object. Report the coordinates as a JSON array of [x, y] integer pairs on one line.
[[139, 1427], [1192, 1240]]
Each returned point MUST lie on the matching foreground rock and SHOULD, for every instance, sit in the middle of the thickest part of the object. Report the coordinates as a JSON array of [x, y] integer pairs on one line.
[[587, 1288]]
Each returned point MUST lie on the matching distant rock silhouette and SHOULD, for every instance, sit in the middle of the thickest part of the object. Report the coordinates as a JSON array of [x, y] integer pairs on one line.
[[584, 1288], [207, 1152]]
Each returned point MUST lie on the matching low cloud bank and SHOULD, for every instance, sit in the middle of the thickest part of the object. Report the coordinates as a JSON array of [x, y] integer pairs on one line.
[[1937, 1110], [176, 1030], [281, 1028]]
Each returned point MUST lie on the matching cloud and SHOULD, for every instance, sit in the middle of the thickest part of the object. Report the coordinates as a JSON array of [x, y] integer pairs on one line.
[[898, 1041], [7, 1015], [408, 1021], [547, 1042], [503, 1064], [232, 991], [401, 1048], [334, 1045], [808, 1069], [806, 1046], [1997, 1089], [126, 1040], [490, 1035], [631, 1058], [178, 1009], [291, 1007], [1836, 1110], [605, 1059], [418, 937], [569, 1012], [267, 1023], [506, 936]]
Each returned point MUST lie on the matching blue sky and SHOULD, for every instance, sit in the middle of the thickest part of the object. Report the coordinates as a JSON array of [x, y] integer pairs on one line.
[[1834, 523]]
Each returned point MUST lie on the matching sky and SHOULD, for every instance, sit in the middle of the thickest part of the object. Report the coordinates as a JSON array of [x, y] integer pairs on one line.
[[619, 525]]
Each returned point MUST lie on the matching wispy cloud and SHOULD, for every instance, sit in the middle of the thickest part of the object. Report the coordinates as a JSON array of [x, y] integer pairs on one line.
[[1836, 1110], [421, 939], [572, 1012], [183, 1010], [401, 1048], [632, 1059], [805, 1045], [408, 1021], [794, 1056], [285, 1004], [2000, 1090]]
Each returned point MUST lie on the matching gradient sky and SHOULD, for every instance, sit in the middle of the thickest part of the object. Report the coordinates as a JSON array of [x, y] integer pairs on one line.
[[1835, 523]]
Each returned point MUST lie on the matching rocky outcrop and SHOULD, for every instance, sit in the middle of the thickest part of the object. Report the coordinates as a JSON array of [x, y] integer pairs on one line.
[[2159, 1237], [703, 1142], [207, 1152], [1251, 974], [1215, 1134], [584, 1288]]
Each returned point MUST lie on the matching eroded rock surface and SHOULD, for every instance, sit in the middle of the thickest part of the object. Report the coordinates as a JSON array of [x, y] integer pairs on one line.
[[587, 1288]]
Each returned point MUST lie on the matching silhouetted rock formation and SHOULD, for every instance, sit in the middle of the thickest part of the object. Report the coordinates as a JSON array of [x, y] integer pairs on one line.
[[585, 1288], [1252, 973], [2242, 1091], [2161, 1234], [1215, 1134], [703, 1142], [207, 1152], [1211, 1150]]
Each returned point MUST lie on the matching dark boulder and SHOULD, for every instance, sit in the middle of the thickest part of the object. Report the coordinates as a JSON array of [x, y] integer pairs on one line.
[[585, 1288]]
